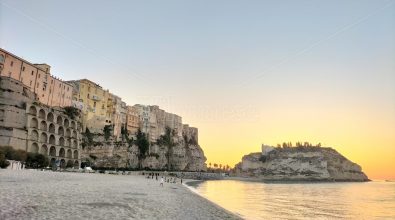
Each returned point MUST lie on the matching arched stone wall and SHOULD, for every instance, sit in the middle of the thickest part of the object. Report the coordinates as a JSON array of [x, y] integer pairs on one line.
[[34, 148], [33, 110], [50, 117], [76, 154], [68, 132], [74, 134], [75, 144], [69, 154], [76, 164], [62, 152], [61, 131], [62, 163], [52, 151], [34, 135], [44, 149], [34, 123], [52, 139], [59, 120], [43, 137], [51, 128], [66, 123], [41, 114], [43, 125], [61, 141], [73, 125]]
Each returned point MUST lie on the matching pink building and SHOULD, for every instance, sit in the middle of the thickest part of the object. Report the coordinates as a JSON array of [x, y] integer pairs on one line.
[[49, 89]]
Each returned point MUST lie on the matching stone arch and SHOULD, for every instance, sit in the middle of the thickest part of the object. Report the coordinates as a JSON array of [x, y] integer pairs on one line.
[[69, 154], [59, 120], [52, 139], [52, 151], [66, 123], [33, 123], [61, 141], [34, 148], [41, 114], [76, 164], [33, 110], [34, 135], [75, 154], [61, 131], [44, 149], [69, 163], [43, 125], [74, 134], [51, 128], [50, 117], [75, 144], [43, 137], [62, 152], [62, 163], [67, 142], [73, 124], [68, 132]]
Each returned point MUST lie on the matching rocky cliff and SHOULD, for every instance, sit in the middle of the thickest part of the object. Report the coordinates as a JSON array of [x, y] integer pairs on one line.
[[300, 164], [184, 155]]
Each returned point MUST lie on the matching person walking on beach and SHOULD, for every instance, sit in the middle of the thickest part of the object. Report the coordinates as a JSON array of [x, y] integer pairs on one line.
[[161, 181]]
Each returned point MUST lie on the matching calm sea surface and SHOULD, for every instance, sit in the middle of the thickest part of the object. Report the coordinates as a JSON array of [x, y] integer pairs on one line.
[[253, 200]]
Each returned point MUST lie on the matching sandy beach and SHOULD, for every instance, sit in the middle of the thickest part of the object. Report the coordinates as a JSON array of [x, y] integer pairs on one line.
[[31, 194]]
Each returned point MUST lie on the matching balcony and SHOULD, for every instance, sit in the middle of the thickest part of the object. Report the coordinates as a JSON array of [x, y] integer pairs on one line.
[[95, 98]]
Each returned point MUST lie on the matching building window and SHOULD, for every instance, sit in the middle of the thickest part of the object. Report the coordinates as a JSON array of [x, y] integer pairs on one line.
[[94, 104], [32, 72], [12, 63], [23, 68]]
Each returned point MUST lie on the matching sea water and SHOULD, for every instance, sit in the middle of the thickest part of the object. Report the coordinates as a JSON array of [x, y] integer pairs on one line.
[[257, 200]]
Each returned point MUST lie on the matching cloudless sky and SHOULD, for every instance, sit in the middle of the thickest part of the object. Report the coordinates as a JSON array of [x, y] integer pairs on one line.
[[243, 72]]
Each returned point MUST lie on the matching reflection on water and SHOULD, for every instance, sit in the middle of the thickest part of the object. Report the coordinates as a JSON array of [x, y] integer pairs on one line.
[[253, 200]]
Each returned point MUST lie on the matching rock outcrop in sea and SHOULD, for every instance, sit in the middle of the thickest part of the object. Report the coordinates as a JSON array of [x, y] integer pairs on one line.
[[300, 164]]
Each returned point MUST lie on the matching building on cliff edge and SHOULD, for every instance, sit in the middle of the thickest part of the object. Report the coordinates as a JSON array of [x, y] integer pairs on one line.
[[29, 125], [37, 78]]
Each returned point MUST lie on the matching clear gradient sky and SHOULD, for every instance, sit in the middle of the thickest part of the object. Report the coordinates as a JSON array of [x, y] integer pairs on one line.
[[243, 72]]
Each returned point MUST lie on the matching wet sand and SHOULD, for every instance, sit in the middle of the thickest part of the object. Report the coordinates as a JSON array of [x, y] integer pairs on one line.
[[31, 194]]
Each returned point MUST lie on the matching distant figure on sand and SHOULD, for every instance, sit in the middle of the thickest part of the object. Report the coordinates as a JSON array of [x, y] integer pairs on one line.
[[161, 181]]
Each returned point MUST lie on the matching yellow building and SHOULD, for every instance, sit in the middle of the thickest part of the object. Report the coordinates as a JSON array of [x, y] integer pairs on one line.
[[94, 102]]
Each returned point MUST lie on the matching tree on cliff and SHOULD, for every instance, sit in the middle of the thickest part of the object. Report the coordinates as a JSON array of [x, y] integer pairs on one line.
[[167, 140], [107, 131], [124, 134], [143, 145]]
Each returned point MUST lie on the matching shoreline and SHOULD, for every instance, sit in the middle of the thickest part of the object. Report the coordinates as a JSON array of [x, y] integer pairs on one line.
[[32, 194], [189, 186]]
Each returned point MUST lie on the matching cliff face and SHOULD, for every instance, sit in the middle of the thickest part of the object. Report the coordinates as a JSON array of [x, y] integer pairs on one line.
[[184, 156], [300, 164]]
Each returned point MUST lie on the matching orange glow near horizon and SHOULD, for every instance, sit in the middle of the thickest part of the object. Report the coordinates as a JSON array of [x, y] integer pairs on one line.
[[363, 139]]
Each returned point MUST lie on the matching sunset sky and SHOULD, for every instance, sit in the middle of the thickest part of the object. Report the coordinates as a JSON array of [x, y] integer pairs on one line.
[[243, 72]]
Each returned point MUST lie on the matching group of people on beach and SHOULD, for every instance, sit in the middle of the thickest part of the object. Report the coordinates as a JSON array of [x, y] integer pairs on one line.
[[163, 179]]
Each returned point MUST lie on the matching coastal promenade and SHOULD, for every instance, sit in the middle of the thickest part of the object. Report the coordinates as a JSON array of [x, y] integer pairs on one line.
[[31, 194]]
